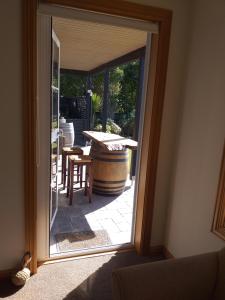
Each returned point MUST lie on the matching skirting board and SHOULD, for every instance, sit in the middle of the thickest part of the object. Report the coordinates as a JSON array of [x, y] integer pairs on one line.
[[167, 254], [160, 250], [6, 274]]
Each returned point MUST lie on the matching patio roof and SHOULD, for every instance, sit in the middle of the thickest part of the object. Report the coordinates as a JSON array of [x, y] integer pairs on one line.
[[106, 43]]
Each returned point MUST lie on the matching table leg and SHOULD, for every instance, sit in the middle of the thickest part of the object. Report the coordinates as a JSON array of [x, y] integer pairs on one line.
[[90, 181], [81, 175], [133, 166], [78, 172]]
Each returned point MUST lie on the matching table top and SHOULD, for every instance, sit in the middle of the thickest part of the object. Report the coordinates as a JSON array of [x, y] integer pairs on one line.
[[111, 141]]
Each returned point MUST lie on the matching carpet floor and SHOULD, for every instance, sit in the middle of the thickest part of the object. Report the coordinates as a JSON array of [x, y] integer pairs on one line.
[[81, 279]]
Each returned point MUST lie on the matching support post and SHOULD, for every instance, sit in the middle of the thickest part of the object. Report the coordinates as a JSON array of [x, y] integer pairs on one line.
[[105, 100], [89, 103]]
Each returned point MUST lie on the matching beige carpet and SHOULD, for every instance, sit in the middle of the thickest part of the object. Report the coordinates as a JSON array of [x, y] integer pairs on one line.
[[81, 279], [82, 240]]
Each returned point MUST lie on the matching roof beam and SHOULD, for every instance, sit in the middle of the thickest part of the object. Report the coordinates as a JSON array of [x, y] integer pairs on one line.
[[120, 60], [74, 72]]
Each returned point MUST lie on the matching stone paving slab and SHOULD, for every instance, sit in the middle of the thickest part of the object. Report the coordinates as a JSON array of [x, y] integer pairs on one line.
[[113, 214]]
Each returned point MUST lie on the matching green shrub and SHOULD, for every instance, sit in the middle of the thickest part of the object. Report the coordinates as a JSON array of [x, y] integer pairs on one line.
[[111, 127], [98, 127]]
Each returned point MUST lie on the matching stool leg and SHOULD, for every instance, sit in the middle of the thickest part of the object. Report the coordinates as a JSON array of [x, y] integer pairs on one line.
[[62, 167], [71, 181], [64, 158], [68, 180], [78, 172], [85, 181], [81, 175]]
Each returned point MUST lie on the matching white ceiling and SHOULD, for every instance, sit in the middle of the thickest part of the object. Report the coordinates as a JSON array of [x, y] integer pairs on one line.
[[85, 45]]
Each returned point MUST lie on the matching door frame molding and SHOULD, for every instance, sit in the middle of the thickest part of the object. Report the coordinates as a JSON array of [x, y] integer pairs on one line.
[[152, 117]]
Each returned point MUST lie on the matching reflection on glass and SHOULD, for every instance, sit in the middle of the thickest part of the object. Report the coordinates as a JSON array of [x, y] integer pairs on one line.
[[54, 130], [55, 66]]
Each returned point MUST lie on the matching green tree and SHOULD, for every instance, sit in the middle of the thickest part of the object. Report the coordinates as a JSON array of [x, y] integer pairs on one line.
[[98, 84], [123, 87], [72, 85], [116, 76], [129, 84]]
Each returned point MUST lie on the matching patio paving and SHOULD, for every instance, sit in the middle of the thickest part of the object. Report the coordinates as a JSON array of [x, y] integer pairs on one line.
[[111, 214]]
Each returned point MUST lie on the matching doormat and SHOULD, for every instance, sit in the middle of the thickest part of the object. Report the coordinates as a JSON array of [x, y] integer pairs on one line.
[[82, 240]]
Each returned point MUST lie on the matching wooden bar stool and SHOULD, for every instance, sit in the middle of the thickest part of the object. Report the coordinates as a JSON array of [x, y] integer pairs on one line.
[[65, 152], [80, 161]]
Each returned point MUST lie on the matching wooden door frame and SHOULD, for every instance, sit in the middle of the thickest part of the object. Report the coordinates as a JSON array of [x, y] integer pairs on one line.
[[218, 226], [153, 117]]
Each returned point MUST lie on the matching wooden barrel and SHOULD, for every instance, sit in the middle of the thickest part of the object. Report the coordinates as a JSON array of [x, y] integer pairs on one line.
[[68, 132], [110, 170]]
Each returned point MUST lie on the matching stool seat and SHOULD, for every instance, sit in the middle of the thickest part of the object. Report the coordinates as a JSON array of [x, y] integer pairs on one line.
[[72, 150], [80, 159], [65, 152]]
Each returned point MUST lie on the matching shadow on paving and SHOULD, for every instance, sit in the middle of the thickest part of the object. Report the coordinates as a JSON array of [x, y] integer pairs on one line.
[[71, 219]]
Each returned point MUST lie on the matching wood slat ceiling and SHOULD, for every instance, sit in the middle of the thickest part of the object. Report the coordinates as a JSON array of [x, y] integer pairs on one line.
[[85, 45]]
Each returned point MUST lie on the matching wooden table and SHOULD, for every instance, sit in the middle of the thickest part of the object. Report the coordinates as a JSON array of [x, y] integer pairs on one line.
[[110, 141], [110, 161]]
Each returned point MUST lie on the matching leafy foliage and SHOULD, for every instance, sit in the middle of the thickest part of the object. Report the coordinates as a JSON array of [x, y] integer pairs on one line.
[[122, 95], [111, 127], [96, 107], [72, 85], [116, 76], [98, 84], [127, 121], [129, 84], [96, 102]]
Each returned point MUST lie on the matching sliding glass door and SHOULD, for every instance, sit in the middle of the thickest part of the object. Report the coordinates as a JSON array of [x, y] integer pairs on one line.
[[54, 128]]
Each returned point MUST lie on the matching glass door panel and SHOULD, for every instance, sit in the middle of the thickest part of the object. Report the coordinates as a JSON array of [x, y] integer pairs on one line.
[[54, 128]]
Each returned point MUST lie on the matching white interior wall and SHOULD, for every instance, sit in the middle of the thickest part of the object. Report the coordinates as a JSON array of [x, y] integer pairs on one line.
[[201, 136], [11, 205], [173, 100], [11, 158]]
